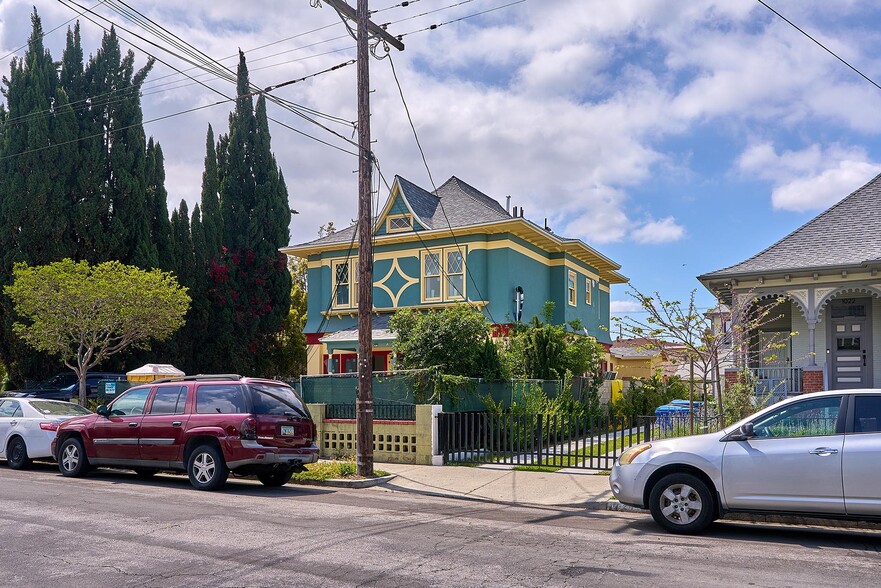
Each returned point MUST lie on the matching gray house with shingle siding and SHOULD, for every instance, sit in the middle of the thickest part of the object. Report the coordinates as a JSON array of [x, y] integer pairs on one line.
[[828, 271]]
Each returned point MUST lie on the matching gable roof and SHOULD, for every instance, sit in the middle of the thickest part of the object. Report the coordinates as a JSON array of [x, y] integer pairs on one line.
[[847, 234], [458, 205]]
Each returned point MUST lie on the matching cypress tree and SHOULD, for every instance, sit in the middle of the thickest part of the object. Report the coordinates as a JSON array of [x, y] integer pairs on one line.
[[34, 205], [211, 219], [250, 282], [157, 198]]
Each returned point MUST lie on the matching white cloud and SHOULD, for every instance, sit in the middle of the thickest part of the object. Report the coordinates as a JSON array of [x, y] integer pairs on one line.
[[624, 306], [813, 178], [665, 230]]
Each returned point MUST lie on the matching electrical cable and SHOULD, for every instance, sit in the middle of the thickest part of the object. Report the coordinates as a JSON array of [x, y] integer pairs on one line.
[[43, 36], [434, 186], [829, 51], [437, 26]]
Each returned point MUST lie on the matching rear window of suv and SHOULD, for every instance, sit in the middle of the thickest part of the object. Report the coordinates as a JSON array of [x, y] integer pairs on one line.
[[221, 399], [276, 400]]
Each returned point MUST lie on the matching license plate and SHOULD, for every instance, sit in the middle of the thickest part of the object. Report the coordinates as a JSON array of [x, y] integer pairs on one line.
[[287, 430]]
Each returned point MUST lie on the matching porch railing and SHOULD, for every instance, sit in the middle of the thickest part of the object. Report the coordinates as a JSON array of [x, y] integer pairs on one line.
[[776, 383]]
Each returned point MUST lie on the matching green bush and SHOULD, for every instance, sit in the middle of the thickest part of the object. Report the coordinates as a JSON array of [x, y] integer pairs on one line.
[[643, 396]]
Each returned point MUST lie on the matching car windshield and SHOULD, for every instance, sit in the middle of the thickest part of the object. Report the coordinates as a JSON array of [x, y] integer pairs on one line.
[[49, 408], [59, 381], [277, 400]]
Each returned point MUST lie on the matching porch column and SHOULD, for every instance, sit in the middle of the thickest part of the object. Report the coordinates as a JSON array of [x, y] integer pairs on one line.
[[812, 345]]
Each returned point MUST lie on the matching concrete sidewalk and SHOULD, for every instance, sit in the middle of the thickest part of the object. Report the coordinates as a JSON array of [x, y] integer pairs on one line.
[[567, 487]]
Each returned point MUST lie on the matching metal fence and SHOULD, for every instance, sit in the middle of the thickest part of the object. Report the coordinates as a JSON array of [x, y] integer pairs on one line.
[[381, 412], [553, 441], [776, 383]]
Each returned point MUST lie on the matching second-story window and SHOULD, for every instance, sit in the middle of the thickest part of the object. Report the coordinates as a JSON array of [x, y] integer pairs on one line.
[[431, 277], [588, 291], [345, 275], [443, 275], [570, 285], [455, 274]]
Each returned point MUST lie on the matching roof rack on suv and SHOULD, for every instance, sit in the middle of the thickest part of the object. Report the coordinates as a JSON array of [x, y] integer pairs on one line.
[[199, 377]]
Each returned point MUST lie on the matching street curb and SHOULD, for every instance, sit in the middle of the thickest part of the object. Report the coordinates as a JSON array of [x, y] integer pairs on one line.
[[344, 483]]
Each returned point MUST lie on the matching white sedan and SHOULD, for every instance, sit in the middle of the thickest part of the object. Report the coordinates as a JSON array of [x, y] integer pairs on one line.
[[811, 455], [28, 426]]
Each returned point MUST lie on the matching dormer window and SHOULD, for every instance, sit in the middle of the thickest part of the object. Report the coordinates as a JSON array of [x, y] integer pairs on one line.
[[399, 223]]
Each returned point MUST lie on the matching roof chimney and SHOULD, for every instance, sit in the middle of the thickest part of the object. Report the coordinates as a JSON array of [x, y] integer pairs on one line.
[[508, 205], [515, 212], [521, 212]]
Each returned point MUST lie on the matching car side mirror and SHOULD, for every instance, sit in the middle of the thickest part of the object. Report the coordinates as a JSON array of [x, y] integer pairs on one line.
[[103, 411], [744, 432]]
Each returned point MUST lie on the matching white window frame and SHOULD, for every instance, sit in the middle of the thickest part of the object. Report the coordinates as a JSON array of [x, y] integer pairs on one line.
[[588, 291], [572, 288]]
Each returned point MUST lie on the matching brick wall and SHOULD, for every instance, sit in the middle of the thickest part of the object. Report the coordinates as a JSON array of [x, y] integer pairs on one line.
[[812, 380]]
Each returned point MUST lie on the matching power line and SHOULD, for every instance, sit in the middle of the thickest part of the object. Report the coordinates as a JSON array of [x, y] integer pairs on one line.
[[434, 186], [827, 49], [437, 26], [43, 36]]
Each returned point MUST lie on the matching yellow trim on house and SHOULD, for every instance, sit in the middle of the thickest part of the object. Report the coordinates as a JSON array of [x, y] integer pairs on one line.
[[389, 309], [442, 253], [572, 288], [352, 282], [588, 291], [522, 228], [604, 288]]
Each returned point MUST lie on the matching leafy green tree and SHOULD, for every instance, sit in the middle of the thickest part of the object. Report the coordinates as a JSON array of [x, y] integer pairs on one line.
[[544, 351], [453, 340], [84, 314]]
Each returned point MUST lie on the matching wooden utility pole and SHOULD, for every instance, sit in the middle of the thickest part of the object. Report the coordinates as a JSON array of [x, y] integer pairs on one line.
[[364, 415], [364, 404]]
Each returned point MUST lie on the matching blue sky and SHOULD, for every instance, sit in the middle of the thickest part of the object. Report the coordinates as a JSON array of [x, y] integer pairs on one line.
[[677, 138]]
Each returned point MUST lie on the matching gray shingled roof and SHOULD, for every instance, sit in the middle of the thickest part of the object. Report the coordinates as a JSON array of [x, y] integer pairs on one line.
[[456, 204], [847, 234], [380, 330]]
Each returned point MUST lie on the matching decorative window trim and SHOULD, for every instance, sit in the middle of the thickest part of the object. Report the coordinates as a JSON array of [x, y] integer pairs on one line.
[[352, 282], [444, 275], [572, 288], [399, 223], [588, 291]]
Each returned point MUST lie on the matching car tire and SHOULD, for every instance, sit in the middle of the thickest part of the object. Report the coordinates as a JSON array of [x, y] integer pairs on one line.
[[682, 503], [72, 460], [146, 473], [275, 479], [17, 454], [206, 468]]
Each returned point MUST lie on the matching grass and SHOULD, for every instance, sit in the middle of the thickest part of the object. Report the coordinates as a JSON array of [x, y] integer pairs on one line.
[[537, 468], [331, 470]]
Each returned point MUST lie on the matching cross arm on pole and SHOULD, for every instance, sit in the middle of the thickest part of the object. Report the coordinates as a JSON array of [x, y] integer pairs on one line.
[[375, 30]]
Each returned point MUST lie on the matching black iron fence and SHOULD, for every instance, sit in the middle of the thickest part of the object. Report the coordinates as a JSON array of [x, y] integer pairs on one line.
[[553, 440], [381, 412]]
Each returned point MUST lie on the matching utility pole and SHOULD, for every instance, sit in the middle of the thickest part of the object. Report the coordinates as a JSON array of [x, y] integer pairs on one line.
[[364, 404]]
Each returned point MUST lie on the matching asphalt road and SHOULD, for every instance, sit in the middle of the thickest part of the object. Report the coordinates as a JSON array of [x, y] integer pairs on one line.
[[110, 529]]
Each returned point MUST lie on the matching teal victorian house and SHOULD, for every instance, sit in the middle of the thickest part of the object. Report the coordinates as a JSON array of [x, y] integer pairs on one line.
[[438, 249]]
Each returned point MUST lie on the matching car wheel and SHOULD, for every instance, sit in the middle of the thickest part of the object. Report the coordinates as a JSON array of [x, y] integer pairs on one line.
[[17, 454], [682, 503], [145, 473], [72, 460], [206, 468], [275, 479]]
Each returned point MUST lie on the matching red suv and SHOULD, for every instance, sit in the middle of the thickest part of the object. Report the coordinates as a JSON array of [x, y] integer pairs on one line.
[[207, 426]]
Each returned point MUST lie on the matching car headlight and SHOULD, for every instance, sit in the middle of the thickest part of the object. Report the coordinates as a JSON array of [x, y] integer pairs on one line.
[[629, 455]]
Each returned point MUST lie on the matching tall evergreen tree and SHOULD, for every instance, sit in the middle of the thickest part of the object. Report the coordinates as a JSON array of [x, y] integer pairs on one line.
[[250, 282], [36, 160], [157, 200], [211, 220]]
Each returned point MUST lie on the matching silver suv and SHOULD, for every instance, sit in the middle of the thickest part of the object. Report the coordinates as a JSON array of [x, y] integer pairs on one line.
[[811, 455]]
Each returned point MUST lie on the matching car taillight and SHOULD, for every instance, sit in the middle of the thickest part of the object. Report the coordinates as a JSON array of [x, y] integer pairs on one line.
[[49, 426], [313, 430], [249, 428]]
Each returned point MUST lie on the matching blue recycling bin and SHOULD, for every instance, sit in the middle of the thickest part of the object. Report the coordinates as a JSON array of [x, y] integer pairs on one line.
[[676, 411]]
